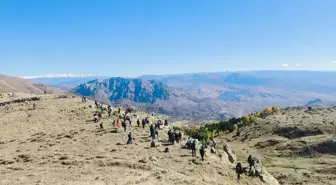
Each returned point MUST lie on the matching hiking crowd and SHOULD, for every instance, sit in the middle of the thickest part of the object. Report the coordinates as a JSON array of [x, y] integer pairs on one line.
[[174, 136]]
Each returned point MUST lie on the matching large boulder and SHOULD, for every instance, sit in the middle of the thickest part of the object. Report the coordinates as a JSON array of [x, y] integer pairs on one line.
[[231, 156]]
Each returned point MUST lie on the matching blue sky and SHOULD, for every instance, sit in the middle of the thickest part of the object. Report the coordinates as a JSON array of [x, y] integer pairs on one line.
[[131, 38]]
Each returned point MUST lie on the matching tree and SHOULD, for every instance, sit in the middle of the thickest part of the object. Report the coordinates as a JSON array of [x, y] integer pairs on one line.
[[267, 111], [246, 119], [252, 119], [257, 114]]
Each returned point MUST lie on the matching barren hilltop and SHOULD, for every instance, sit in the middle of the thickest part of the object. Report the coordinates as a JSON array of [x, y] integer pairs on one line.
[[57, 143]]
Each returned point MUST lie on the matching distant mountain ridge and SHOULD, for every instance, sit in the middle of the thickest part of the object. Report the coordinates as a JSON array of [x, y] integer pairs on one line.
[[115, 89], [66, 82], [215, 95], [15, 84]]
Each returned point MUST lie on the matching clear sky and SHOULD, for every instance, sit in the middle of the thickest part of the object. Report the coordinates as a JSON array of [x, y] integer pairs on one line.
[[131, 38]]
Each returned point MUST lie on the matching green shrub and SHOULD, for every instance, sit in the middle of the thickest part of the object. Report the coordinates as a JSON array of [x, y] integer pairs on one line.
[[252, 119], [275, 109], [257, 114], [246, 119]]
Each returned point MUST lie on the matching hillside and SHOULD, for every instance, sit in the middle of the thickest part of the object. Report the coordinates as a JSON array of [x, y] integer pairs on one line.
[[297, 145], [58, 144], [15, 84]]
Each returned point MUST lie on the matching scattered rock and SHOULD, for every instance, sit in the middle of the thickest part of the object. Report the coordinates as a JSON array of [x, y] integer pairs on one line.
[[25, 157], [63, 158], [153, 159], [155, 144]]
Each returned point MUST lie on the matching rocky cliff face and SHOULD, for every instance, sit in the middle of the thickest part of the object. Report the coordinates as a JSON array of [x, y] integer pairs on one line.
[[115, 89]]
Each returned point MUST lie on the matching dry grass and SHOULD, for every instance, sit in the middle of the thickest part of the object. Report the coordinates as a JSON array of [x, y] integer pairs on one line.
[[58, 144], [295, 149]]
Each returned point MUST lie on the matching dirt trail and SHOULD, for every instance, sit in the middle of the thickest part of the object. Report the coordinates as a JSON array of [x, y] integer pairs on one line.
[[58, 144]]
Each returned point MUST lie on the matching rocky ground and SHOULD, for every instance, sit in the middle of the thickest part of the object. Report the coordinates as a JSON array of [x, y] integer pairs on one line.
[[57, 143], [297, 145]]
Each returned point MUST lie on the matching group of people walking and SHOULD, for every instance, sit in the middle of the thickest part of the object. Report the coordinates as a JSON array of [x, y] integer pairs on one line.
[[174, 136]]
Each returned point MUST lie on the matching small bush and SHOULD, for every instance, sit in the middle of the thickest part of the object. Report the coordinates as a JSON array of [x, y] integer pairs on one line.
[[257, 114], [267, 111], [275, 109], [246, 119], [253, 118]]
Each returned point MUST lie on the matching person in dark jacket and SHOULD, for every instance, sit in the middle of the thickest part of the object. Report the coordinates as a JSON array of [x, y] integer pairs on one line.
[[124, 125], [239, 170], [138, 122], [202, 152], [193, 148], [143, 123], [250, 160]]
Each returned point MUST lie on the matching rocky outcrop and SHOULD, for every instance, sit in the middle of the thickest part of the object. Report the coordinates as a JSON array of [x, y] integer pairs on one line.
[[268, 178], [114, 89], [231, 156], [260, 171]]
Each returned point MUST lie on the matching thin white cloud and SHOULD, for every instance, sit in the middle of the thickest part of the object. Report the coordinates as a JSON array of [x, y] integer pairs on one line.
[[334, 62], [57, 76], [297, 64], [284, 65]]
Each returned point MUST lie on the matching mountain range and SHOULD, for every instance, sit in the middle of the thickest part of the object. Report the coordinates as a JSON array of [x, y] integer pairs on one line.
[[207, 95]]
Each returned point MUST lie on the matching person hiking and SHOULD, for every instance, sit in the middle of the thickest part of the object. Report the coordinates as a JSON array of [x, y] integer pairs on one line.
[[202, 152], [130, 139], [166, 123], [214, 143], [124, 125], [96, 103], [138, 122], [250, 160], [152, 133], [143, 123], [177, 139], [95, 117], [193, 148], [179, 136], [239, 170], [188, 143]]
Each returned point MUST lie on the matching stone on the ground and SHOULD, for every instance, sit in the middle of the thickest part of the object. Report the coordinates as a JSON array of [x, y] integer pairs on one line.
[[155, 144]]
